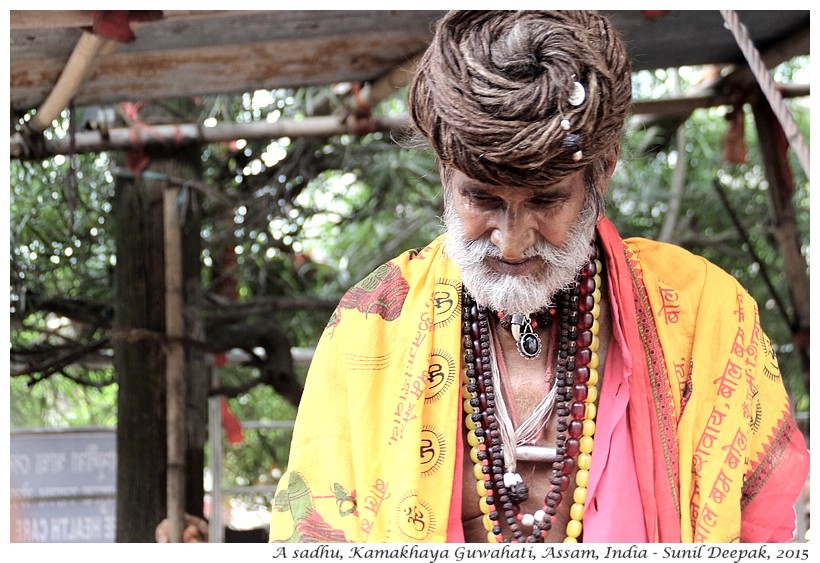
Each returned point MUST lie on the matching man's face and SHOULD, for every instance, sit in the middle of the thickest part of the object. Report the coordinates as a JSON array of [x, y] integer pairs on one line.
[[517, 246]]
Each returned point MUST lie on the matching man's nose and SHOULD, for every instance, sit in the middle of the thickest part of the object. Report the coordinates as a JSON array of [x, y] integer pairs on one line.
[[514, 233]]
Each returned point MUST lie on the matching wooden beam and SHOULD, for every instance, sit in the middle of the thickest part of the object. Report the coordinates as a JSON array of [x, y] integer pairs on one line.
[[54, 19], [684, 105], [49, 19]]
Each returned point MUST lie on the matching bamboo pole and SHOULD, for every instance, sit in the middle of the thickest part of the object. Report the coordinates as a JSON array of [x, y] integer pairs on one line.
[[376, 91], [125, 138], [175, 365], [79, 66], [216, 530]]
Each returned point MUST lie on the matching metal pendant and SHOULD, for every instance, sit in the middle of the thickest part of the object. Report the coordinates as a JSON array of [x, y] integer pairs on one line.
[[526, 339]]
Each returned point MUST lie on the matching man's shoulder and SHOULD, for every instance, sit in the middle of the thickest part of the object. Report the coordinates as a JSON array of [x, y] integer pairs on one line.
[[385, 289], [417, 264], [418, 257], [671, 261]]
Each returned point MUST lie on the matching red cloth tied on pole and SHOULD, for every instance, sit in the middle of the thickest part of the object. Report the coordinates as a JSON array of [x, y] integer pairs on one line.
[[116, 24], [231, 424]]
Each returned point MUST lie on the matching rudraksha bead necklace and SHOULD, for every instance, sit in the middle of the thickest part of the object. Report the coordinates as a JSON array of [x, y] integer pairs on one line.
[[576, 378]]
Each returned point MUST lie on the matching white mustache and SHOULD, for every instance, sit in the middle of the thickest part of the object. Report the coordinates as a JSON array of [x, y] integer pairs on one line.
[[478, 250]]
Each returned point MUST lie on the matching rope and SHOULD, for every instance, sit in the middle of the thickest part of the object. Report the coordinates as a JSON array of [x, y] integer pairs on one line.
[[527, 431], [768, 87]]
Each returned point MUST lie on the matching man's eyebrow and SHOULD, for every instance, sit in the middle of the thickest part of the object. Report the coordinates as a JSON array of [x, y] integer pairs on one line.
[[556, 190], [478, 189], [473, 186]]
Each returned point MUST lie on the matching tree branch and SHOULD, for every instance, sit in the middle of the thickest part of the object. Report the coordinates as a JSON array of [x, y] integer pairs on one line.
[[764, 272], [52, 359]]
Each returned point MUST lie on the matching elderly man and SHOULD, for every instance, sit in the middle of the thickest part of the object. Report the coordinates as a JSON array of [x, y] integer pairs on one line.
[[530, 376]]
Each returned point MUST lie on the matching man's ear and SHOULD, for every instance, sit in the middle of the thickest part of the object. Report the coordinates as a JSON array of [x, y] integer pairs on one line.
[[606, 166], [612, 160], [445, 173]]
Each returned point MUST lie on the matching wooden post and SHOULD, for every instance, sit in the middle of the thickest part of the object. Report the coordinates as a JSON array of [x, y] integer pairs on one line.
[[175, 364], [216, 530], [781, 192]]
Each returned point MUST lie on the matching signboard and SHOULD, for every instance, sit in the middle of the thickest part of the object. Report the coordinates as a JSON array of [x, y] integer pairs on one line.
[[63, 485]]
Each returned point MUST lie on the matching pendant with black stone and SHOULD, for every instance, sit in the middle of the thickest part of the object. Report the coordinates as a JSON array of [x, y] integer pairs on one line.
[[526, 339]]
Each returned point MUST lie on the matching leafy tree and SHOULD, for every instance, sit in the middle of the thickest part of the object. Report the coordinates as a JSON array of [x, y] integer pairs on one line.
[[60, 265]]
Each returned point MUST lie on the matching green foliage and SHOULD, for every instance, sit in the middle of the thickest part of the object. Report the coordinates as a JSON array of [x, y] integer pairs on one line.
[[387, 204], [60, 251], [59, 230], [260, 458], [62, 404]]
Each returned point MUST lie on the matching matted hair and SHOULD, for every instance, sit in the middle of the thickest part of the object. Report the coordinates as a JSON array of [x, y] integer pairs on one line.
[[495, 94]]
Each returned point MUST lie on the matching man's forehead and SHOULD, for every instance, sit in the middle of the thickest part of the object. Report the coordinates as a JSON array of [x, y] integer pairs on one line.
[[464, 181]]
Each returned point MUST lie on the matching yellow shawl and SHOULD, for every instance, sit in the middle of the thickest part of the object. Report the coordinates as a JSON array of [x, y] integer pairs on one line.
[[374, 448]]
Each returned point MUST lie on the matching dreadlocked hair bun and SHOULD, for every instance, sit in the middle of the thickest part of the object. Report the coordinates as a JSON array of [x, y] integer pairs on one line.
[[493, 93]]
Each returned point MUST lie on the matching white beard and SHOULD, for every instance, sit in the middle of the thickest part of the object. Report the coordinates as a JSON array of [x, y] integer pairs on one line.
[[520, 294]]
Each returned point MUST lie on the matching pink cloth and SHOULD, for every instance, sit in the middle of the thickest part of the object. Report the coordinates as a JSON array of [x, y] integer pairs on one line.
[[614, 513], [455, 528]]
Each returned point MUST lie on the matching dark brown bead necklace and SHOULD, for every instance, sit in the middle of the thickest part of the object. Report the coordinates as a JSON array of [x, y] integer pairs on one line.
[[577, 309]]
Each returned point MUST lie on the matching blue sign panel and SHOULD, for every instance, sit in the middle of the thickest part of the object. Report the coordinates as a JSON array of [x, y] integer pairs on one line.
[[63, 486]]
